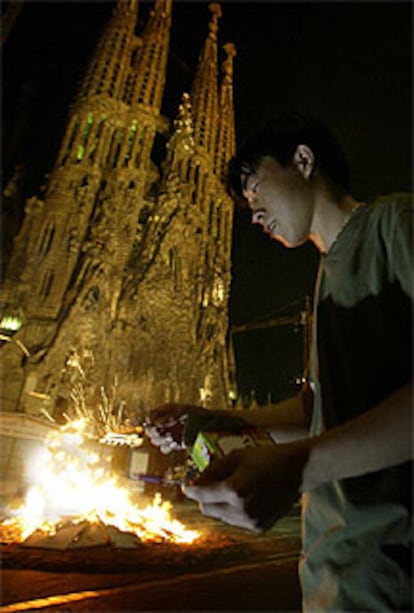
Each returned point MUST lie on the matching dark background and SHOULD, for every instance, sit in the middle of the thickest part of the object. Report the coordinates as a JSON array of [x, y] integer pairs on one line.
[[349, 63]]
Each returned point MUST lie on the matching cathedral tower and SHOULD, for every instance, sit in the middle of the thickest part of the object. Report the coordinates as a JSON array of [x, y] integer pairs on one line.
[[121, 267]]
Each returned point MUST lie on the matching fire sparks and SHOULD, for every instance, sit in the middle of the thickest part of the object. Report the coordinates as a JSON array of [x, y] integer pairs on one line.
[[70, 482]]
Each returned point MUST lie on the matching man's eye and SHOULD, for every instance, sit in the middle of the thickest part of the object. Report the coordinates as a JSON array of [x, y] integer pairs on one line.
[[252, 185]]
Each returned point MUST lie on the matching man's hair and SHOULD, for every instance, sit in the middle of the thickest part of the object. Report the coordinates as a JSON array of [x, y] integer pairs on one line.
[[279, 138]]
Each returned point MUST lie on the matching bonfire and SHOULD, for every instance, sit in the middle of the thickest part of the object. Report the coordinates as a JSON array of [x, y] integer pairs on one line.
[[74, 499]]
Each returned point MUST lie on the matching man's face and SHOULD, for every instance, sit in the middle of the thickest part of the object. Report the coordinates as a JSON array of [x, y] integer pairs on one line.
[[280, 199]]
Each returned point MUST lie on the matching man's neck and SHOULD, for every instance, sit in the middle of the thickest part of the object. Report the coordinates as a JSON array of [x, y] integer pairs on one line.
[[333, 208]]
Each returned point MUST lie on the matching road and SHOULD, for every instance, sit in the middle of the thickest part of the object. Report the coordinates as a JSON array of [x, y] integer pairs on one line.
[[240, 572]]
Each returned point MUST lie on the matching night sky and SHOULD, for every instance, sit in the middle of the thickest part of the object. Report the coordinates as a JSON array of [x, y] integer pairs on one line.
[[348, 63]]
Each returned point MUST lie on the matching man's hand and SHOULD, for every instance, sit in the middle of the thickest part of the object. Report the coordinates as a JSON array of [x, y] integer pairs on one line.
[[165, 424], [252, 488]]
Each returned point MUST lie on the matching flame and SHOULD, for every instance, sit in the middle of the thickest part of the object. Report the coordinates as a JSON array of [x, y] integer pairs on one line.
[[68, 480]]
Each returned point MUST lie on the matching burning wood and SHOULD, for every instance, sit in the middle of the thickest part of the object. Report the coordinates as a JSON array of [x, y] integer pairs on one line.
[[74, 501], [72, 535]]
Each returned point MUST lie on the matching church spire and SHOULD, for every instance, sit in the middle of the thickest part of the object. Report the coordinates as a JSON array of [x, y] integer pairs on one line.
[[147, 79], [108, 68], [226, 140], [102, 87], [204, 91]]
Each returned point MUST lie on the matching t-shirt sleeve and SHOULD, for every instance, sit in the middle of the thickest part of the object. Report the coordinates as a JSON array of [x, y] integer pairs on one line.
[[401, 243]]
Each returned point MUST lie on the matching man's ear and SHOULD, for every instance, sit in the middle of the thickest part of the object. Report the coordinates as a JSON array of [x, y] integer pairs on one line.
[[304, 160]]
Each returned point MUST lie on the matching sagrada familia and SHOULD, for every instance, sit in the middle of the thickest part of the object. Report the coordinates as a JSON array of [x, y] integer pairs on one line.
[[119, 279]]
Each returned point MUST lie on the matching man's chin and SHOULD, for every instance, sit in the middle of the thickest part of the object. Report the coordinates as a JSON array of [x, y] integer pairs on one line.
[[288, 244]]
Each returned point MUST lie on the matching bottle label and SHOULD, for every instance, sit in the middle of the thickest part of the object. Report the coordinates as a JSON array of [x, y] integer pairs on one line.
[[218, 444]]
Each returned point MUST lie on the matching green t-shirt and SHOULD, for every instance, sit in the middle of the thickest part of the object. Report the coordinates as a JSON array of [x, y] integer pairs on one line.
[[357, 541]]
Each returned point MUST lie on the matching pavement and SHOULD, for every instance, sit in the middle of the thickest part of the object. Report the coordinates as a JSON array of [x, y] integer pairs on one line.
[[232, 570]]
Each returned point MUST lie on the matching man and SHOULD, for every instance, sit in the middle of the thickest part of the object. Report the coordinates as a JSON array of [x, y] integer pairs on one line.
[[347, 444]]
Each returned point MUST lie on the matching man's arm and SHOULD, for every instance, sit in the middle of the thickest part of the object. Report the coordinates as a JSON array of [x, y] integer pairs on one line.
[[253, 488], [287, 420], [377, 439]]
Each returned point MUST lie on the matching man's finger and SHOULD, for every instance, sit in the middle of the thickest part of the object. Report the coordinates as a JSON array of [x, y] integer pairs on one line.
[[166, 448], [159, 439], [230, 515], [169, 446], [219, 493], [220, 469], [151, 431]]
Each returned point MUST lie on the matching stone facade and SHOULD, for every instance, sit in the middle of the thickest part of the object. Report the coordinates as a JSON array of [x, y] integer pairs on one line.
[[116, 295]]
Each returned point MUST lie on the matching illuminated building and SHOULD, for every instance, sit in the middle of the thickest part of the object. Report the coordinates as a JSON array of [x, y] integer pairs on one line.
[[120, 274]]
